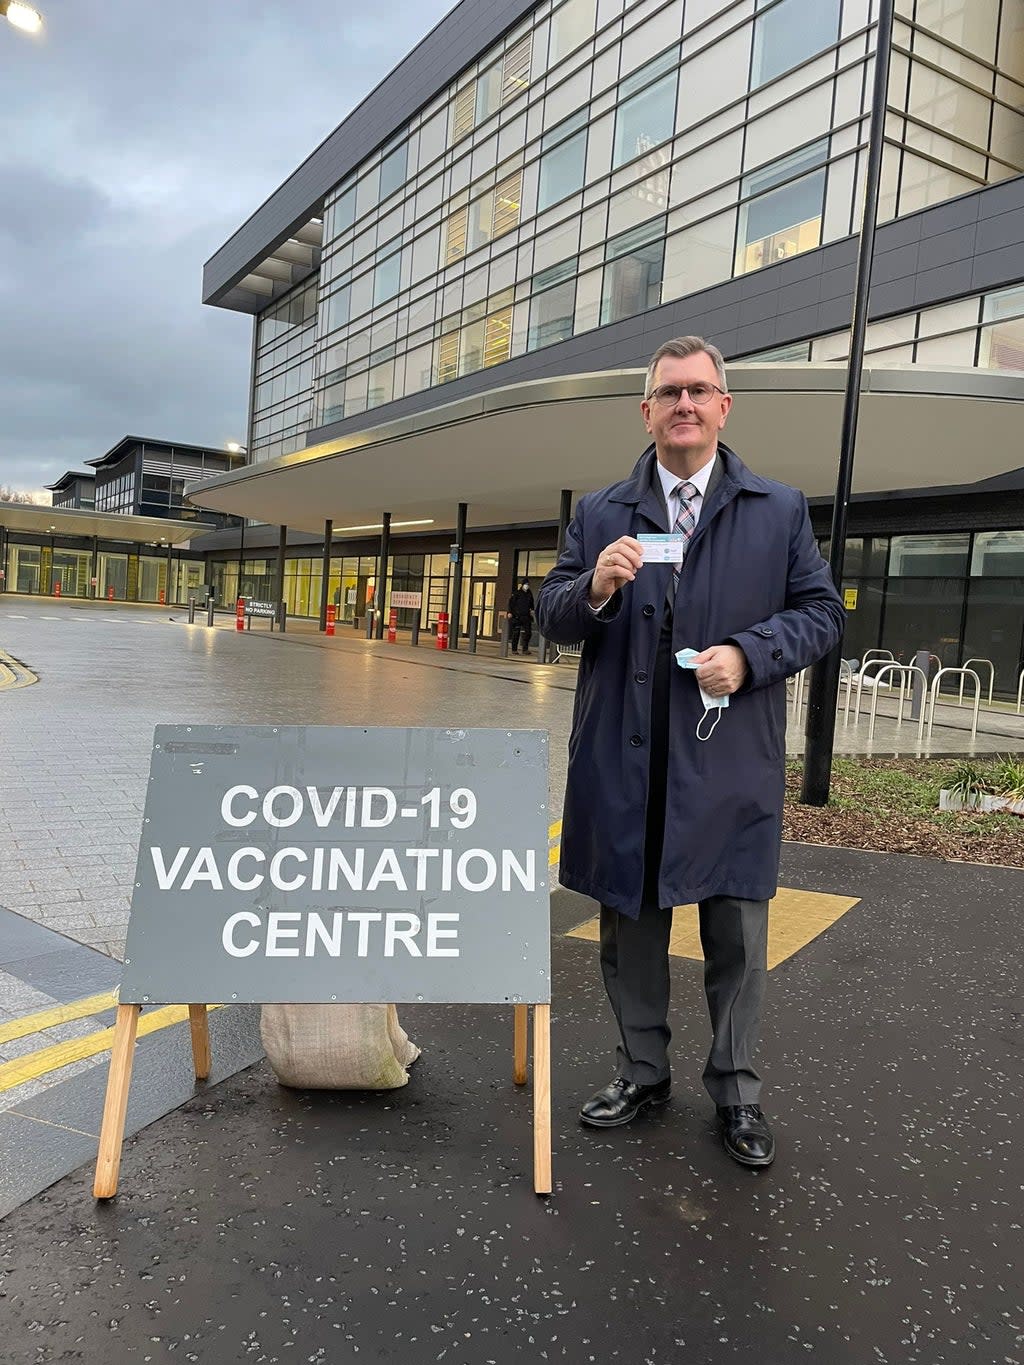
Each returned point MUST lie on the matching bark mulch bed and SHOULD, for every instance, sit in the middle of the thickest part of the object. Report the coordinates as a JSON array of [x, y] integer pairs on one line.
[[891, 806]]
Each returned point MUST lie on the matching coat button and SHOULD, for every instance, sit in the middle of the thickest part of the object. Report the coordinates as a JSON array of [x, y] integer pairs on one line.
[[766, 631], [649, 609], [636, 740], [640, 677], [776, 653]]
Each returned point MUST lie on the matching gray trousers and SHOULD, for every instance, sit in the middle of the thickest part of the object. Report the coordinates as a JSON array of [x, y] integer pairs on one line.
[[634, 962]]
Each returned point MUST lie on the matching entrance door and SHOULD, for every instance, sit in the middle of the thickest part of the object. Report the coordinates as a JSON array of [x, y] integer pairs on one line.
[[481, 605]]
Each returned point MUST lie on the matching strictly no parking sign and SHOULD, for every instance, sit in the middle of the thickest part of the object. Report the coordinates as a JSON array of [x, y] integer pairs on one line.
[[320, 863]]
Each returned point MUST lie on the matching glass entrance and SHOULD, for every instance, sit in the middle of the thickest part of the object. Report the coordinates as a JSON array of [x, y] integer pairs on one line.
[[479, 602]]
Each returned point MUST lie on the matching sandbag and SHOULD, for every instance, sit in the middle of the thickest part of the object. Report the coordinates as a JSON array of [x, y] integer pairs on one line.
[[337, 1047]]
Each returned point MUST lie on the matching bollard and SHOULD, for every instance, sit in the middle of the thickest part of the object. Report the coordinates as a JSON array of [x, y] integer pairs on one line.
[[542, 649], [56, 588], [393, 626], [191, 611], [369, 624], [163, 597], [282, 617], [474, 626], [209, 611], [416, 629], [506, 631], [240, 614], [110, 593], [332, 614], [442, 630]]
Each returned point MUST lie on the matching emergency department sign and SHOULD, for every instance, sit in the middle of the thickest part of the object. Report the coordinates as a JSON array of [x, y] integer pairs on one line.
[[320, 863]]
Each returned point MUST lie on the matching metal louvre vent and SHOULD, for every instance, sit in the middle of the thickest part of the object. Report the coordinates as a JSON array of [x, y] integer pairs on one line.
[[515, 68], [464, 111], [456, 236], [498, 337], [507, 200]]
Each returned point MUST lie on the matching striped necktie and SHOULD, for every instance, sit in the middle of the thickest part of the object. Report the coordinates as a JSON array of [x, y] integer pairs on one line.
[[685, 524]]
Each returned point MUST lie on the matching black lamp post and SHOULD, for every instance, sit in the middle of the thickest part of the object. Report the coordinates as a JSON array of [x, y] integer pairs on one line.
[[823, 692]]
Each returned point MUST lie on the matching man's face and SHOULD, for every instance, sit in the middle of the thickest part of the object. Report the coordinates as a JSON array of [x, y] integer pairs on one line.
[[686, 429]]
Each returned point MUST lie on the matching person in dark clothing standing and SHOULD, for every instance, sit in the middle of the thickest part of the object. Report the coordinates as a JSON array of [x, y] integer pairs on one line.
[[695, 585], [520, 615]]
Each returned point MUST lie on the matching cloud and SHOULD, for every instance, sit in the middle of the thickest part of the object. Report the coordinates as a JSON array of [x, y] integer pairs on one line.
[[138, 137]]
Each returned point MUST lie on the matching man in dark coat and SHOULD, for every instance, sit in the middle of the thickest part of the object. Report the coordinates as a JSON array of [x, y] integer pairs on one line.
[[520, 616], [672, 799]]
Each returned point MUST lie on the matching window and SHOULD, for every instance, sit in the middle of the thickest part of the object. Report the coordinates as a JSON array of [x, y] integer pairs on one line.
[[784, 216], [393, 170], [929, 556], [386, 279], [503, 81], [456, 234], [553, 305], [632, 275], [344, 211], [789, 33], [498, 336], [646, 118], [573, 23], [515, 68], [508, 196], [563, 167], [447, 356], [1002, 338], [464, 111]]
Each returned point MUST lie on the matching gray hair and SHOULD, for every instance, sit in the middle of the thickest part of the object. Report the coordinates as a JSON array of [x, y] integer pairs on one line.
[[681, 347]]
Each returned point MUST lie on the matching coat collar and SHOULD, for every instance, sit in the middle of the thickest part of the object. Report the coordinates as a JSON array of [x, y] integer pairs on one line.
[[643, 488]]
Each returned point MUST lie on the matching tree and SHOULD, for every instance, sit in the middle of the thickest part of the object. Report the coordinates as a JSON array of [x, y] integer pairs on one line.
[[36, 497]]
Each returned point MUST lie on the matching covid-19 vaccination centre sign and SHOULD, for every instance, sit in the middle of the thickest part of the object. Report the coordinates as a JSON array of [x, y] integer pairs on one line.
[[323, 863]]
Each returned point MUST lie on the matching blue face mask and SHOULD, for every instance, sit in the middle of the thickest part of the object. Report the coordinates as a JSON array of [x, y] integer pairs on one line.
[[712, 705]]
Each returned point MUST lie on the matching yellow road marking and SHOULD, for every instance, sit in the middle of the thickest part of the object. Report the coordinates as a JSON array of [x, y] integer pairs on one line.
[[555, 830], [13, 674], [796, 919], [58, 1014], [36, 1064]]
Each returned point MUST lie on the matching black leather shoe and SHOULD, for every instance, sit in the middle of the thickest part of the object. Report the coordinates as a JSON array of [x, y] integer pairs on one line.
[[746, 1134], [621, 1101]]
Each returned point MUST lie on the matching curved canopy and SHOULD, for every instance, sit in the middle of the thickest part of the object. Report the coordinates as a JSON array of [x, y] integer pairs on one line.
[[509, 452], [72, 521]]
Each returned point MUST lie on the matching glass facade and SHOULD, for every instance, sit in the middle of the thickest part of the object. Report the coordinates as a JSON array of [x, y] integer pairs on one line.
[[984, 331], [604, 158], [957, 595]]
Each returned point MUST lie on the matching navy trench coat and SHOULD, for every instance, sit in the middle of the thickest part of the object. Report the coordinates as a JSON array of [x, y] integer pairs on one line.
[[753, 577]]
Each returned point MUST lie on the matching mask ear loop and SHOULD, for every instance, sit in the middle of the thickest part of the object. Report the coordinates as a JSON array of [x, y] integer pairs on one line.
[[718, 716]]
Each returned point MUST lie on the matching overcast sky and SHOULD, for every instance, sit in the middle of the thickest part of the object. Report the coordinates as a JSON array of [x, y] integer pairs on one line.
[[137, 135]]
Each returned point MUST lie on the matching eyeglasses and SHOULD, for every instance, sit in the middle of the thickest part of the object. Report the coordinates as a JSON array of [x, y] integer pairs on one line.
[[668, 395]]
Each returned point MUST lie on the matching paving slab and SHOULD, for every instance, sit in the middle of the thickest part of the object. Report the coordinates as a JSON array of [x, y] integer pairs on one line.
[[259, 1223]]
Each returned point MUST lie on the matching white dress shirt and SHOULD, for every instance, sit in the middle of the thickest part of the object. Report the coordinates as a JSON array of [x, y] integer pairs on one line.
[[669, 483]]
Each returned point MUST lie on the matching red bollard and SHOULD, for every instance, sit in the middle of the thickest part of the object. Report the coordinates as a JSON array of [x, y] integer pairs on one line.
[[163, 597], [110, 593], [56, 587], [442, 630], [332, 616], [393, 626], [240, 614]]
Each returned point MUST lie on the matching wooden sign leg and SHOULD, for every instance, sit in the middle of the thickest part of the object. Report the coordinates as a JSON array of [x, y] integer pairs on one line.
[[199, 1024], [519, 1044], [542, 1099], [108, 1161]]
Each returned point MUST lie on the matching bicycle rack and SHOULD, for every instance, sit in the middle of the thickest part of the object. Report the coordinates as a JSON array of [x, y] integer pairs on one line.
[[906, 672], [991, 678], [870, 663], [967, 672]]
